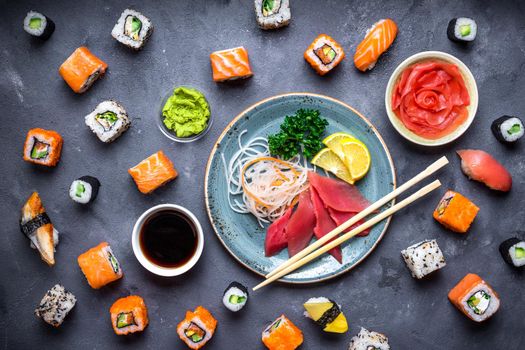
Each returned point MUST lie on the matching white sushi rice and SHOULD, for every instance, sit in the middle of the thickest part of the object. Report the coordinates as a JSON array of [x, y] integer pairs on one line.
[[423, 258], [234, 291], [507, 125], [121, 125], [38, 31], [85, 196], [512, 252], [55, 305], [144, 33], [320, 43], [280, 18], [365, 339], [493, 302], [464, 21]]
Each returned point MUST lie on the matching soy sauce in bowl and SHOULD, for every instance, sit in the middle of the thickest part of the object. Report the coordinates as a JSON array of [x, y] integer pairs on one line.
[[168, 239]]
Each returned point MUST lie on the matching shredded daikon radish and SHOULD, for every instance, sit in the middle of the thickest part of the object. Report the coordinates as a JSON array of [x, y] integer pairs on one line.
[[260, 184]]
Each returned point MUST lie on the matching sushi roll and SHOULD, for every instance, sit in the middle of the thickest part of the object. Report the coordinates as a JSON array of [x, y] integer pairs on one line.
[[377, 41], [423, 258], [133, 29], [507, 129], [475, 298], [455, 212], [282, 334], [324, 54], [230, 64], [462, 29], [480, 166], [43, 147], [84, 190], [100, 266], [272, 14], [513, 252], [235, 296], [82, 69], [108, 121], [37, 227], [369, 340], [327, 314], [129, 315], [55, 305], [153, 172], [38, 25], [197, 328]]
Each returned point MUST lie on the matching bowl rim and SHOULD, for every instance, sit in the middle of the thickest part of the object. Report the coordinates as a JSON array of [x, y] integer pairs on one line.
[[470, 82], [159, 270], [170, 134]]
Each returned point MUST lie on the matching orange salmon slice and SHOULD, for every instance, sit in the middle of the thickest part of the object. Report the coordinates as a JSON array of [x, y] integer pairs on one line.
[[153, 172]]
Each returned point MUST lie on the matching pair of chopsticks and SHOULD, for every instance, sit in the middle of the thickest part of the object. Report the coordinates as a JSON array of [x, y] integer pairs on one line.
[[321, 246]]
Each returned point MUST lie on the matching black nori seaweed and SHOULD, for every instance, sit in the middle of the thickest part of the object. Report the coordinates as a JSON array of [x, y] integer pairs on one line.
[[329, 315], [451, 32], [237, 285], [496, 128], [50, 28], [34, 224], [95, 184], [504, 250]]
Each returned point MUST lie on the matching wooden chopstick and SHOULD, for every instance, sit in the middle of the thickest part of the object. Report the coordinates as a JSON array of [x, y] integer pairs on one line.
[[441, 162], [379, 217]]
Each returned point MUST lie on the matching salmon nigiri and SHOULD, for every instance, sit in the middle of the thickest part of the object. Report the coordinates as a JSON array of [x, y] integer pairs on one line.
[[377, 40], [481, 166]]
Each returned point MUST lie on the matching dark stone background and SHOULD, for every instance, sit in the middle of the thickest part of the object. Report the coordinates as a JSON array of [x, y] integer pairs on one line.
[[380, 294]]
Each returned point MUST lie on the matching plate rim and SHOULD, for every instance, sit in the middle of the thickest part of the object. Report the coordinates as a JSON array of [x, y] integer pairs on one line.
[[227, 129]]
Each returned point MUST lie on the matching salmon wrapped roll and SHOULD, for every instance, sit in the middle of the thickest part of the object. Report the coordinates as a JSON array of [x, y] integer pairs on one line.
[[43, 147], [100, 266], [282, 334], [129, 315], [153, 172], [230, 64], [455, 212], [82, 69], [197, 328]]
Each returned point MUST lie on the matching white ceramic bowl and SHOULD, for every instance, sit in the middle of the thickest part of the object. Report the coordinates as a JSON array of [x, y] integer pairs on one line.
[[470, 84], [159, 270]]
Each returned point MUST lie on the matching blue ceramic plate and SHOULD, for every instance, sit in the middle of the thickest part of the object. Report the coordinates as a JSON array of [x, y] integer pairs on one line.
[[242, 236]]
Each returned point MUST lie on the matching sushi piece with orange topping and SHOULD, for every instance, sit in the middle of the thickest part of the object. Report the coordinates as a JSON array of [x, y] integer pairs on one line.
[[153, 172], [377, 40], [282, 334], [324, 54], [43, 147], [129, 315], [455, 212], [82, 69], [230, 64], [100, 266], [197, 328]]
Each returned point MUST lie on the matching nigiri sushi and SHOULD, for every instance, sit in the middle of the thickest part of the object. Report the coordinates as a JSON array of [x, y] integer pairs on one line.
[[36, 225], [480, 166], [100, 265], [377, 40], [327, 314], [230, 64], [129, 315], [153, 172]]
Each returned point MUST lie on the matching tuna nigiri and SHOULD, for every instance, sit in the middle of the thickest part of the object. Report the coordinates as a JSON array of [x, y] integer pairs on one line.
[[377, 40], [480, 166]]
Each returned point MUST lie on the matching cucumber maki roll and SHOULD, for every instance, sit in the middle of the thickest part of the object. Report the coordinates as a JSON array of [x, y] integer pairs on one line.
[[462, 29], [38, 25], [84, 190], [235, 296], [507, 129], [513, 252]]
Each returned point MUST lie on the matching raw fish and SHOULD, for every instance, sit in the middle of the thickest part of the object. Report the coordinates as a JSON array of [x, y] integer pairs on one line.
[[275, 236], [340, 217], [480, 166], [300, 228], [324, 223], [337, 194]]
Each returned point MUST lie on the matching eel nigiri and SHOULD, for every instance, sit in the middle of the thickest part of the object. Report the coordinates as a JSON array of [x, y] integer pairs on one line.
[[480, 166], [377, 40]]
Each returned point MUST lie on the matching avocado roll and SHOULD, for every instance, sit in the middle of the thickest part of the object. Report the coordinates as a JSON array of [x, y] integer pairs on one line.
[[133, 29], [38, 25], [235, 296], [507, 129], [513, 252], [84, 190], [462, 29], [108, 121], [272, 14]]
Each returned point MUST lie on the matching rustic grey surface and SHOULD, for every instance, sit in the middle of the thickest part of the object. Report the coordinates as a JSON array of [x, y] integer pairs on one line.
[[379, 294]]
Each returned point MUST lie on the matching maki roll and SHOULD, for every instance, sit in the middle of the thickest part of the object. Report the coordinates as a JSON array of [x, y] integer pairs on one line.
[[327, 314], [129, 315], [37, 226], [153, 172], [324, 54], [55, 305], [507, 129], [282, 334], [84, 190], [108, 121], [475, 298], [38, 25], [369, 340], [513, 252], [235, 296], [230, 64], [462, 29], [455, 212], [272, 14], [423, 258], [133, 29], [43, 147], [100, 266], [197, 328], [82, 69]]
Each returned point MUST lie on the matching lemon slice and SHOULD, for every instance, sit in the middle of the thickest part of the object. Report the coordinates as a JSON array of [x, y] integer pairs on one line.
[[331, 162], [357, 158], [335, 141]]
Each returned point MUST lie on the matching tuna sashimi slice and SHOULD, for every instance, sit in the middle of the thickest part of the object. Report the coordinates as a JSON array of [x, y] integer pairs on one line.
[[337, 194], [324, 223], [275, 236], [300, 227], [340, 217], [481, 166]]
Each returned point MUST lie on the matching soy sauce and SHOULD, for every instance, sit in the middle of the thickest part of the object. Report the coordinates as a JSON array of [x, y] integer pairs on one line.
[[168, 239]]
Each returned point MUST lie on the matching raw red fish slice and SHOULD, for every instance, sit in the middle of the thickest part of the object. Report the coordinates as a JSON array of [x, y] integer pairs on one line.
[[324, 223], [340, 217], [300, 227], [480, 166], [337, 194], [275, 236]]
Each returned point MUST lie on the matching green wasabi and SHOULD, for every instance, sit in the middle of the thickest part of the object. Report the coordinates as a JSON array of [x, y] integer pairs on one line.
[[186, 112]]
